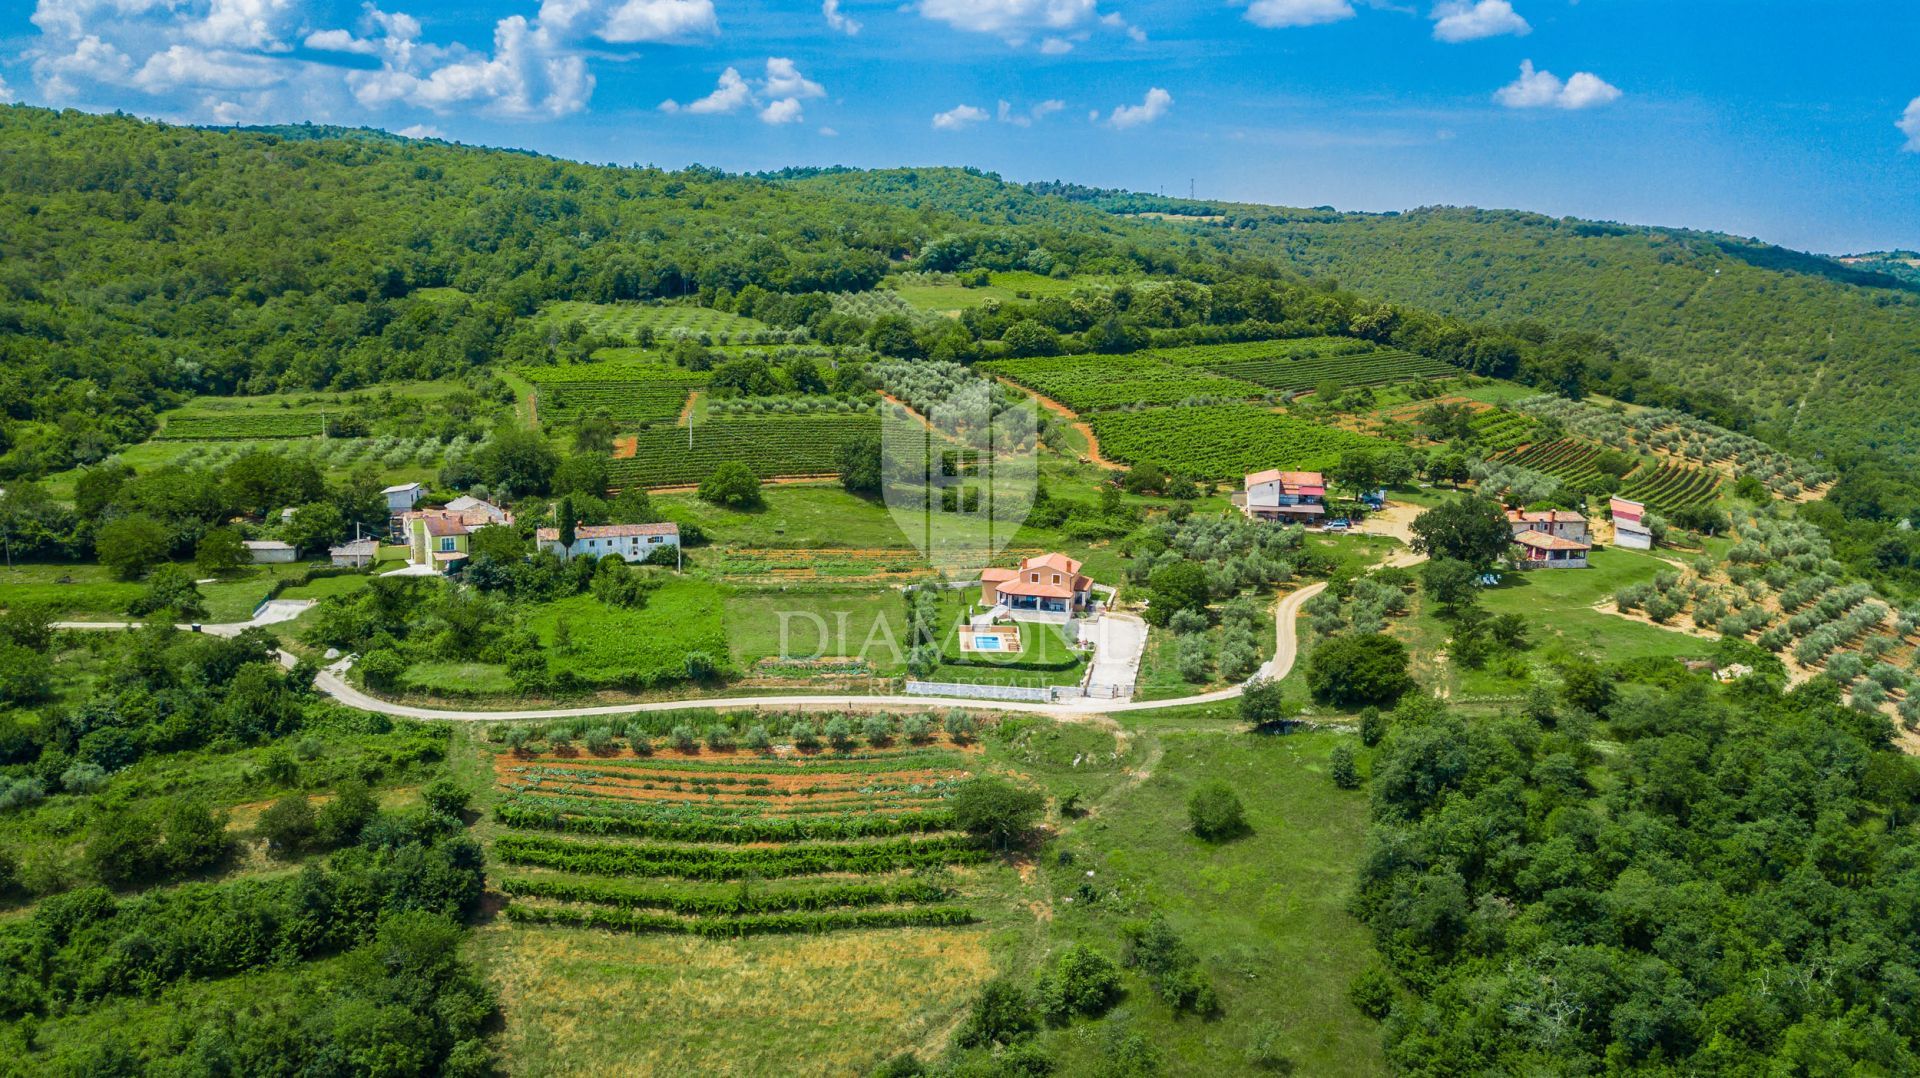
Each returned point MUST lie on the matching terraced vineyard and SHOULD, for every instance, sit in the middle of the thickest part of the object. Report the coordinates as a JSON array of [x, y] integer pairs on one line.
[[1672, 486], [663, 320], [1565, 459], [773, 446], [181, 428], [1092, 383], [1498, 431], [1223, 441], [629, 393], [733, 842]]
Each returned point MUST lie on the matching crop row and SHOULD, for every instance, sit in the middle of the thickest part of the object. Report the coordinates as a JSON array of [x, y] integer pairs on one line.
[[1289, 375], [1222, 441], [1292, 348], [866, 763], [625, 402], [730, 864], [733, 902], [243, 425], [1672, 486], [713, 810], [1091, 383], [734, 927], [770, 446], [1498, 431], [1569, 461], [627, 319], [766, 829]]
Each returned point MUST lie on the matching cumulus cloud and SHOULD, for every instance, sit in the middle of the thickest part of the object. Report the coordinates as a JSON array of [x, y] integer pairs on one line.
[[1543, 89], [1027, 118], [652, 20], [1151, 108], [845, 24], [958, 118], [6, 93], [1275, 14], [1909, 124], [1057, 23], [233, 60], [1459, 20], [777, 96], [421, 131]]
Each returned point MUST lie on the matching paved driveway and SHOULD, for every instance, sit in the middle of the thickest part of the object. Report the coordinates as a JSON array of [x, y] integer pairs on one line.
[[1119, 640]]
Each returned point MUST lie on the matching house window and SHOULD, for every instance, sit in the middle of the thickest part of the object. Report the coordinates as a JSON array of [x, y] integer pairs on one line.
[[1035, 578], [446, 545], [1056, 578], [651, 539]]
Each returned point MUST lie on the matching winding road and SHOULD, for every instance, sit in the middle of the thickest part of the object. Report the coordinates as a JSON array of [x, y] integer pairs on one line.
[[334, 683]]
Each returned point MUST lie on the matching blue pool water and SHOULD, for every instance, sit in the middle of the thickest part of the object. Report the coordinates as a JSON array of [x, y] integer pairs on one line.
[[989, 643]]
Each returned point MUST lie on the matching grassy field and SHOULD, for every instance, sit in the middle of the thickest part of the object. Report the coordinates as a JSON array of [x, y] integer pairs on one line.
[[636, 648], [87, 592], [1559, 604], [665, 320], [949, 295], [868, 622]]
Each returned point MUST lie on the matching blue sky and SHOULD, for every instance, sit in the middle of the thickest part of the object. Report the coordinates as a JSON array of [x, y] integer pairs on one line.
[[1798, 123]]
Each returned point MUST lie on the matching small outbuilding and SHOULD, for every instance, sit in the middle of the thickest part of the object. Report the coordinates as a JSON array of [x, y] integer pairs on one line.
[[356, 555], [269, 551]]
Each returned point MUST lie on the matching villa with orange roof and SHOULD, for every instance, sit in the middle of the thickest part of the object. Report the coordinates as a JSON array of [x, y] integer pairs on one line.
[[1550, 539], [1049, 587]]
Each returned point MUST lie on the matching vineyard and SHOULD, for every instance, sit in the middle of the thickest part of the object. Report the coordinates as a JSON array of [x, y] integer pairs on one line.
[[1671, 486], [773, 446], [1287, 375], [628, 320], [1092, 383], [639, 393], [1569, 461], [1223, 441], [843, 827], [242, 425], [1498, 431], [1677, 434]]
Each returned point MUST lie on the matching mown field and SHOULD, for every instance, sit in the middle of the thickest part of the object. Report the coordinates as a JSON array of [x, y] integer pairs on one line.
[[772, 446]]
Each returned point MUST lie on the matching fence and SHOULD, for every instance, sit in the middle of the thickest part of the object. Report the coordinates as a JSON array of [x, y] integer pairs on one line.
[[983, 692]]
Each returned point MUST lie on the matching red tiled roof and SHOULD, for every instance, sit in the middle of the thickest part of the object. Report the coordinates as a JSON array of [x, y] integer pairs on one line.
[[444, 526], [1545, 516], [1543, 541], [1297, 482], [1044, 590], [1058, 563]]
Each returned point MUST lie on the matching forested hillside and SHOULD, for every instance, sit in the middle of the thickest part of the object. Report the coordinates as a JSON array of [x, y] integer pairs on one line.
[[1824, 354]]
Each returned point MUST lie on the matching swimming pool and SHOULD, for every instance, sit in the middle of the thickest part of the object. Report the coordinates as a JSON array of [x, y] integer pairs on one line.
[[990, 642]]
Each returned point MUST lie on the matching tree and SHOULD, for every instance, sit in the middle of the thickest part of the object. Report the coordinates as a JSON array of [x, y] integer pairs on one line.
[[1341, 766], [169, 588], [1215, 812], [1469, 528], [131, 544], [1029, 338], [1263, 702], [996, 810], [1082, 983], [339, 821], [733, 485], [595, 434], [499, 542], [1358, 471], [315, 526], [1449, 468], [1451, 583], [1357, 670], [287, 825], [860, 466], [516, 461], [220, 550], [1182, 585], [582, 473]]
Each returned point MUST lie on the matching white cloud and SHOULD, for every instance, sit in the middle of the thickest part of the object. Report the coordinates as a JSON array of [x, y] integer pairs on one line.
[[1058, 23], [6, 93], [233, 60], [1151, 108], [1909, 125], [655, 20], [1275, 14], [784, 111], [959, 117], [777, 95], [1028, 118], [784, 80], [828, 132], [1459, 20], [421, 131], [845, 24], [1543, 89]]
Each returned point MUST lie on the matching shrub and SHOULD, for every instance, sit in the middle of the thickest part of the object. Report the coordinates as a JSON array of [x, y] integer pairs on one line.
[[805, 737], [916, 728], [287, 825], [446, 796], [758, 739], [1372, 992], [840, 733], [1267, 1049], [1215, 812], [996, 810], [599, 742], [1001, 1014], [719, 737], [641, 743], [1354, 671], [1373, 726], [1083, 983], [876, 729], [83, 778], [959, 726], [1345, 774], [684, 739]]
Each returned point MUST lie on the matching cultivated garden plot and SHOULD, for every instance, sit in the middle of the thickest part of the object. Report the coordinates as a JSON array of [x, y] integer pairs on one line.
[[1223, 441], [842, 823], [1292, 367], [243, 425], [1665, 486]]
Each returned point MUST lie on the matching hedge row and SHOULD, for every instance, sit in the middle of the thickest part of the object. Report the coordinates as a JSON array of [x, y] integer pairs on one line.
[[765, 829], [603, 893], [745, 763], [709, 864], [734, 927]]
